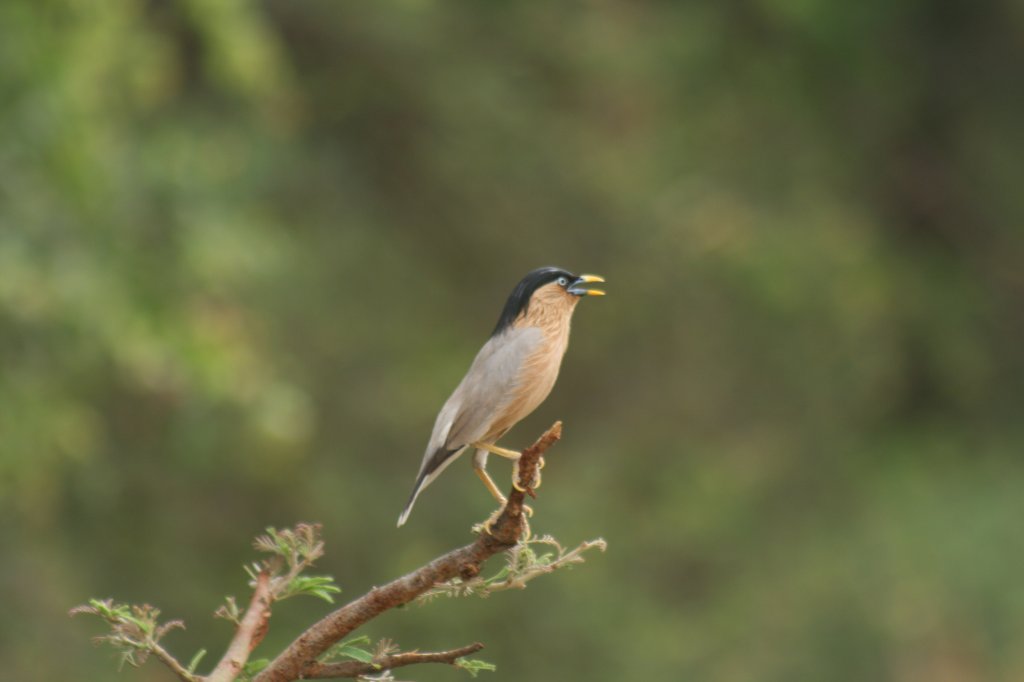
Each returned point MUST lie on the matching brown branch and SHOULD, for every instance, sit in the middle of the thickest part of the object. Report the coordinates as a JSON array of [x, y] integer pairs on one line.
[[327, 671], [465, 563], [251, 630]]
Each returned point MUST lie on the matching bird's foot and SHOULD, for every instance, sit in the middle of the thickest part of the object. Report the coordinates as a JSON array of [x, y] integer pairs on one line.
[[534, 484], [485, 526]]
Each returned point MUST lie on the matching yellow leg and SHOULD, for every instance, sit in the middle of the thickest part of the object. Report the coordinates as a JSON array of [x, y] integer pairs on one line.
[[495, 450], [514, 456], [491, 487]]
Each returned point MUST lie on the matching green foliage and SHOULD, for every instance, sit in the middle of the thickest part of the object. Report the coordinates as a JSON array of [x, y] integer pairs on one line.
[[135, 631], [298, 546], [320, 586], [294, 551]]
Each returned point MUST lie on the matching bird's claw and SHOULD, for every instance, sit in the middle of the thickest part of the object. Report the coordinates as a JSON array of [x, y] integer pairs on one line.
[[534, 484], [515, 477], [485, 526]]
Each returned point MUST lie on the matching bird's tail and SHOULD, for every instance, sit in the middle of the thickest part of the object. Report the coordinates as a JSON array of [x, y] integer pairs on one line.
[[416, 490], [431, 469]]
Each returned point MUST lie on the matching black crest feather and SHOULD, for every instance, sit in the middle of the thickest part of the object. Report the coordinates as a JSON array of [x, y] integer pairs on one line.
[[519, 300]]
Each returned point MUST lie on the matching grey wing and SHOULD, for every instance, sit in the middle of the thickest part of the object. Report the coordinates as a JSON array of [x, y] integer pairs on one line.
[[487, 387], [475, 403]]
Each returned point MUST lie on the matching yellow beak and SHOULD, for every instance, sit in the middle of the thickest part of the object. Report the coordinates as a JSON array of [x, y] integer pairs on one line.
[[579, 290]]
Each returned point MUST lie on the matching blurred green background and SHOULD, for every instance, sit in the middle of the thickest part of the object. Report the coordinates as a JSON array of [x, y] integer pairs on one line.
[[247, 249]]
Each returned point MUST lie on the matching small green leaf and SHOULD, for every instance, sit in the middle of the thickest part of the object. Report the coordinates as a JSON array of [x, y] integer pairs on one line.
[[256, 666], [321, 586], [229, 611], [357, 641], [355, 653], [353, 648], [195, 660], [252, 669], [474, 665]]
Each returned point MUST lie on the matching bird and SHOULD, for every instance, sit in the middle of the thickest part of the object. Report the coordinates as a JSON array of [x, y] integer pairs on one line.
[[510, 377]]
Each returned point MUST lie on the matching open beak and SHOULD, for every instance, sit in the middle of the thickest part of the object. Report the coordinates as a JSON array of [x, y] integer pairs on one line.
[[578, 289]]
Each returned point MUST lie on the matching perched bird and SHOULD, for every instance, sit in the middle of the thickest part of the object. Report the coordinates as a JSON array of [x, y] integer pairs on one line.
[[512, 374]]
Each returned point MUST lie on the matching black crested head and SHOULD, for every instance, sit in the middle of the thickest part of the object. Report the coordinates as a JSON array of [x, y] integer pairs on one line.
[[519, 300]]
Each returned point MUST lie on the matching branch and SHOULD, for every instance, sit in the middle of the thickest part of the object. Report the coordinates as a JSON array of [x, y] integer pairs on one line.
[[135, 630], [171, 662], [300, 656], [250, 633], [326, 671]]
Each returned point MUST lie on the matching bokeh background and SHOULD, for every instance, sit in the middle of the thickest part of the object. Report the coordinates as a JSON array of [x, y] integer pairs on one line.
[[247, 249]]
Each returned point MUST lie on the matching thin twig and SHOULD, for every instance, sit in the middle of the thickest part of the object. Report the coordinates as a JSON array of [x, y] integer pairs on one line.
[[171, 662], [326, 671], [465, 562], [516, 576], [250, 632]]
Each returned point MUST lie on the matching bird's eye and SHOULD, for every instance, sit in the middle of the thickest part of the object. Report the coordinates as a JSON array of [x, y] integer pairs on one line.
[[563, 281]]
